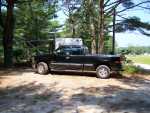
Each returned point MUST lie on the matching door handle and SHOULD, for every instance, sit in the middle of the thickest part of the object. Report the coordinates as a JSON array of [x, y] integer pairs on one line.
[[67, 57]]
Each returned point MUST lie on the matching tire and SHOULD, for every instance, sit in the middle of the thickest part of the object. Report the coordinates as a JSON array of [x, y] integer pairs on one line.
[[103, 71], [42, 68]]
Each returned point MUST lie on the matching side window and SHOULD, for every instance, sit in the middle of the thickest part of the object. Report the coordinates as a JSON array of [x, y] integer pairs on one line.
[[63, 51], [77, 51], [58, 51], [71, 50]]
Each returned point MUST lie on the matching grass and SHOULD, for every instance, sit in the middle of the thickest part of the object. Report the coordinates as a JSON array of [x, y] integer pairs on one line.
[[143, 59]]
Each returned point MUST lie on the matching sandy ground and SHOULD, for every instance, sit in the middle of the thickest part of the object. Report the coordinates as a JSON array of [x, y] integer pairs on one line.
[[23, 91]]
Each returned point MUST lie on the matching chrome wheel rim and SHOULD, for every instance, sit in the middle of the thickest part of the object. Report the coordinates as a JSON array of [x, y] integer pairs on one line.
[[103, 72], [40, 68]]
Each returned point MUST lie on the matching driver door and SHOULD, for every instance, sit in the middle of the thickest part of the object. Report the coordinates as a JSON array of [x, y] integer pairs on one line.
[[59, 61], [64, 60]]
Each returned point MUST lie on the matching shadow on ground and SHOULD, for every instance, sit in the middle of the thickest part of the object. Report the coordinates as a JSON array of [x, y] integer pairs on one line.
[[38, 97], [29, 98], [114, 99]]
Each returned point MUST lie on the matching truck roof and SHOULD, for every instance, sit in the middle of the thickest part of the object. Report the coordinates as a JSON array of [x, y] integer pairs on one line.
[[68, 41]]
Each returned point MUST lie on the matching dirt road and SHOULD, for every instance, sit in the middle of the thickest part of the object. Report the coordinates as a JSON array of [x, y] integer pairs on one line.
[[23, 91]]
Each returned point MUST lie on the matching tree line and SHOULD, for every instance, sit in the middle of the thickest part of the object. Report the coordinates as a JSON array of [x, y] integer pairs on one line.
[[133, 50], [24, 21], [94, 20]]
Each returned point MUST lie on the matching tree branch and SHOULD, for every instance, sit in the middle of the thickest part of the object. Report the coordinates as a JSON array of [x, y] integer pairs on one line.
[[114, 7], [105, 4], [148, 8], [122, 17], [143, 32], [113, 3], [23, 1], [133, 6]]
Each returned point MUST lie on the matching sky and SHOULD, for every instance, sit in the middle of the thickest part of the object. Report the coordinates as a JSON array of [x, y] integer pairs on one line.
[[128, 38], [134, 38]]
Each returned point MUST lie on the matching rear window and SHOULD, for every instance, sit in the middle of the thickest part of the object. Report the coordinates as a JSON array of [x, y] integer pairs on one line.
[[77, 51]]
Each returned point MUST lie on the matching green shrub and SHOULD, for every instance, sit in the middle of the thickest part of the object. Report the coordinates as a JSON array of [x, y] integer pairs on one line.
[[131, 69], [18, 54]]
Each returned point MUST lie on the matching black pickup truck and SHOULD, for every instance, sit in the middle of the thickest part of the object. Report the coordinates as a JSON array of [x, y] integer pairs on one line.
[[77, 58]]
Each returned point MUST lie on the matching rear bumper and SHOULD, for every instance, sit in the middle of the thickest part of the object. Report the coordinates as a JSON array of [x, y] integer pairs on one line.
[[117, 68]]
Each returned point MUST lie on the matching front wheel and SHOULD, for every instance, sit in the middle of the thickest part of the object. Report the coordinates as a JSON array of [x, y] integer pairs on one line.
[[42, 68], [103, 71]]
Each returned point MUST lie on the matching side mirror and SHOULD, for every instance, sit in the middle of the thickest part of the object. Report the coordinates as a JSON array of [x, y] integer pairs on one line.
[[56, 52]]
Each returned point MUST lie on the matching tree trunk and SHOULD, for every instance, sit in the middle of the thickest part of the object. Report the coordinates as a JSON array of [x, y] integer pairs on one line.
[[92, 27], [1, 21], [72, 26], [114, 28], [101, 32], [8, 35], [93, 39], [73, 31]]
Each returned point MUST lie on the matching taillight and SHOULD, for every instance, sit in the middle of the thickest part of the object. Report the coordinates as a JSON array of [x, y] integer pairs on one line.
[[118, 62]]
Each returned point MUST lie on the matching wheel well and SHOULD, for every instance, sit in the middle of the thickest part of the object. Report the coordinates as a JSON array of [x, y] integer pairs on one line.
[[97, 65], [43, 62]]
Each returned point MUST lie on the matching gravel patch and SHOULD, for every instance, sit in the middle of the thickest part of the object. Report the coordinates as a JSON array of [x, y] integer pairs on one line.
[[23, 91]]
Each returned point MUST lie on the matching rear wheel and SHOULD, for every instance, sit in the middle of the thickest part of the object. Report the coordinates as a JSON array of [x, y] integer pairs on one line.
[[103, 71], [42, 68]]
